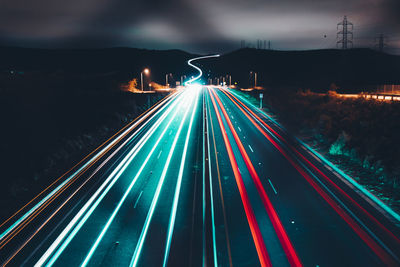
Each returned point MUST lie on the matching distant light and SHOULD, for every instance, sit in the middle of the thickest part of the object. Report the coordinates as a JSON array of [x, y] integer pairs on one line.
[[146, 71], [194, 86]]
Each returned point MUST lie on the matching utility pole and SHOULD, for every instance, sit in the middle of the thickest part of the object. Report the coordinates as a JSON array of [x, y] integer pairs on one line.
[[381, 43], [166, 80], [269, 45], [346, 33], [255, 79]]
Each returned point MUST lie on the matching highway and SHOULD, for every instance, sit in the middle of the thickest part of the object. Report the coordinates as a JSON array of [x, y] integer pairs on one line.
[[202, 178]]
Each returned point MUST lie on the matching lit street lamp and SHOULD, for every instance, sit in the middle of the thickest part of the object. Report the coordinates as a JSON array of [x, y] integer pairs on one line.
[[166, 79], [145, 71]]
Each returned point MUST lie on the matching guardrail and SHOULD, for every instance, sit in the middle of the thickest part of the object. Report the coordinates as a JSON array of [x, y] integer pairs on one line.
[[381, 96], [376, 96]]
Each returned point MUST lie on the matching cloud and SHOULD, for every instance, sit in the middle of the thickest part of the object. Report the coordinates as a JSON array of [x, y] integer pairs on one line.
[[199, 26]]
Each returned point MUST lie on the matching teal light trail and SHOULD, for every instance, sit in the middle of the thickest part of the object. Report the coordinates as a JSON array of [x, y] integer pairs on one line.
[[367, 193], [149, 217], [117, 171], [42, 201], [110, 220], [178, 189]]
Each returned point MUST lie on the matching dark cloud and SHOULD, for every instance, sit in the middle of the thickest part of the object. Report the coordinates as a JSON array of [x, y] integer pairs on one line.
[[199, 26]]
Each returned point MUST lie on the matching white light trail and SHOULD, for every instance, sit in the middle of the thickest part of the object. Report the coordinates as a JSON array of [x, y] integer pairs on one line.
[[110, 181], [143, 234], [197, 68]]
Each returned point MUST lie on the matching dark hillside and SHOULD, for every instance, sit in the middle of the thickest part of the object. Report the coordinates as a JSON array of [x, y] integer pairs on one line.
[[315, 69], [128, 61], [56, 106]]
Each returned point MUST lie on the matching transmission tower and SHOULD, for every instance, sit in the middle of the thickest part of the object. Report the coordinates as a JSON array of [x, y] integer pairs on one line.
[[345, 33], [380, 43]]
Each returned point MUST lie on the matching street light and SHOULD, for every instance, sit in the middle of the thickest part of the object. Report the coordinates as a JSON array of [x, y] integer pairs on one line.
[[166, 79], [145, 71], [255, 78]]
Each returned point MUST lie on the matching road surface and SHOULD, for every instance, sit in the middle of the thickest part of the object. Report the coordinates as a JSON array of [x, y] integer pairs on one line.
[[202, 178]]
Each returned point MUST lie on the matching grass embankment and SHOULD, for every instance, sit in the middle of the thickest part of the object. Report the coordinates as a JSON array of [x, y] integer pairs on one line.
[[50, 122], [360, 136]]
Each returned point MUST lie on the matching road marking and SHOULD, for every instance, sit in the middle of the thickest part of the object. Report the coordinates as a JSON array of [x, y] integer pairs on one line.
[[239, 129], [251, 149], [137, 200], [159, 154], [273, 188]]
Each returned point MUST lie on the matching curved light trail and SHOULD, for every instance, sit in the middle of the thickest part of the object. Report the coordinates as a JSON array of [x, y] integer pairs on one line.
[[197, 68]]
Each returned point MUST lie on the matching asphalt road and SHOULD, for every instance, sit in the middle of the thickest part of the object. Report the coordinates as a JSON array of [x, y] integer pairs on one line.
[[202, 179], [327, 225]]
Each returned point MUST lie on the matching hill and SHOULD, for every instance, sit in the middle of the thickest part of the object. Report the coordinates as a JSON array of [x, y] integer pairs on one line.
[[89, 61], [314, 69]]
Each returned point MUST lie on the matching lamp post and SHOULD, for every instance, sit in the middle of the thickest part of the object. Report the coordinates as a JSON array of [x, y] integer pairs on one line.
[[255, 78], [166, 79], [145, 71]]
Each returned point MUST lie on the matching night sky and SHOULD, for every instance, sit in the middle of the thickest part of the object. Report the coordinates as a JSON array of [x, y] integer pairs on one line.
[[195, 25]]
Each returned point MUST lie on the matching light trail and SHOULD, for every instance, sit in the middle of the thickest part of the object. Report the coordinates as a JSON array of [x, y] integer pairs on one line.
[[204, 258], [29, 219], [366, 192], [382, 254], [15, 226], [110, 182], [280, 139], [254, 228], [110, 220], [211, 200], [276, 222], [171, 224], [139, 246], [197, 68], [228, 246]]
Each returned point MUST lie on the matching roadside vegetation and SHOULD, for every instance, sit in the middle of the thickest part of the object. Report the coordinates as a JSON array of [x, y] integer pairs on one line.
[[51, 120], [360, 136]]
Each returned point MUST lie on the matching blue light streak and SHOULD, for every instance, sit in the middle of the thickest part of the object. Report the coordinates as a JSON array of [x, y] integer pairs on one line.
[[143, 234], [178, 189], [117, 171]]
